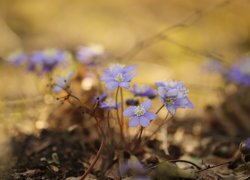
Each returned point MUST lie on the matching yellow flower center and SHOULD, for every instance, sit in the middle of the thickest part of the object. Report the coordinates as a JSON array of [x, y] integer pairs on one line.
[[169, 100], [139, 111], [119, 78]]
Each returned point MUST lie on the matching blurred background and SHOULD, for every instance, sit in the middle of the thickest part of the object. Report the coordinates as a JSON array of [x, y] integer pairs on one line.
[[201, 31]]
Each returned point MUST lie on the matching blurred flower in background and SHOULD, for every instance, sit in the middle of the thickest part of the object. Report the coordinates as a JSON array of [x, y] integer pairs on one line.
[[109, 104], [90, 55], [144, 91], [63, 83], [18, 58], [47, 60], [41, 62], [239, 73]]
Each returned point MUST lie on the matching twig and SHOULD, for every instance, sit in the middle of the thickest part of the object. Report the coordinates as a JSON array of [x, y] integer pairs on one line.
[[102, 135], [159, 109], [94, 162], [194, 17], [210, 167]]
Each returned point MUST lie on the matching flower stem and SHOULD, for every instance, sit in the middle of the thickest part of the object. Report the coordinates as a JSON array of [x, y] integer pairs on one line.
[[210, 167], [109, 128], [94, 162], [166, 120], [159, 109], [100, 148], [117, 113], [124, 125]]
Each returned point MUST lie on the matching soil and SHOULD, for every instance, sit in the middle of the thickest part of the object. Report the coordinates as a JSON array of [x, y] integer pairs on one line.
[[51, 155]]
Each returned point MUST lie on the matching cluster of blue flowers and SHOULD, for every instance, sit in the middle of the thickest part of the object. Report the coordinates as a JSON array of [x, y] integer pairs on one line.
[[90, 56], [41, 61], [45, 61], [144, 91], [172, 94], [238, 73]]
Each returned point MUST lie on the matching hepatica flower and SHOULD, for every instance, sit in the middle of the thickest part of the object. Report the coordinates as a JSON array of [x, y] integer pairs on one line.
[[240, 73], [47, 60], [248, 142], [144, 91], [174, 95], [118, 75], [140, 115], [63, 83], [18, 58], [109, 104], [90, 55]]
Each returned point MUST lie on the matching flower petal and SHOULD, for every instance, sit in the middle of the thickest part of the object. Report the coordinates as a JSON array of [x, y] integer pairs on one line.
[[57, 89], [70, 74], [129, 111], [144, 121], [150, 115], [147, 104], [134, 122], [171, 109], [172, 92], [129, 68], [124, 85], [60, 81], [161, 91], [112, 85], [107, 78], [128, 77]]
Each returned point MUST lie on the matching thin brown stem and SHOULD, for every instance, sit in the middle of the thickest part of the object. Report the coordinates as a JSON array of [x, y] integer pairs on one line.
[[94, 161], [159, 109], [166, 120], [122, 109], [138, 142], [117, 113], [217, 165], [108, 114]]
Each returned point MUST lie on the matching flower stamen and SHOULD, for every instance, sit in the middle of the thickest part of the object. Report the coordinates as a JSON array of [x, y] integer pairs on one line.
[[139, 111]]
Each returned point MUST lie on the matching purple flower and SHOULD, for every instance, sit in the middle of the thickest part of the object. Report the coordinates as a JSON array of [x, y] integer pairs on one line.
[[47, 60], [118, 76], [174, 95], [90, 56], [139, 114], [248, 142], [109, 104], [18, 58], [240, 73], [62, 83], [144, 91]]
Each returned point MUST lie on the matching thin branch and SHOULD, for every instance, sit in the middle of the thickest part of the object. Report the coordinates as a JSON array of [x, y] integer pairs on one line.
[[217, 165], [190, 20], [94, 161]]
